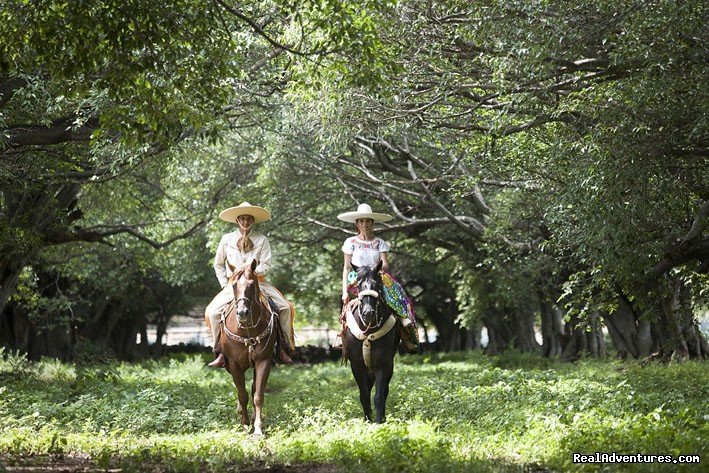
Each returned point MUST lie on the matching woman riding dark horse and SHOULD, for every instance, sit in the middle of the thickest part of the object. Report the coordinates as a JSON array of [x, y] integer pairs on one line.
[[248, 339], [369, 341], [367, 249], [370, 295]]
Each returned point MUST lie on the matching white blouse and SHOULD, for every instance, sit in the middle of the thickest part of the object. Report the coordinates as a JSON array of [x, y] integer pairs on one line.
[[228, 251], [365, 253]]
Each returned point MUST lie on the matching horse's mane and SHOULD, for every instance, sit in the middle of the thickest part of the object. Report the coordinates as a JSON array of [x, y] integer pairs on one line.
[[367, 272], [238, 273]]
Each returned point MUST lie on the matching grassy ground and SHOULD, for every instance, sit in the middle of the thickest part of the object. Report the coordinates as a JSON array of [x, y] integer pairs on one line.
[[455, 412]]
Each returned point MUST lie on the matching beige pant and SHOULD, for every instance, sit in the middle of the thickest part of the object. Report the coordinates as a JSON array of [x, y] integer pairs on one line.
[[285, 310]]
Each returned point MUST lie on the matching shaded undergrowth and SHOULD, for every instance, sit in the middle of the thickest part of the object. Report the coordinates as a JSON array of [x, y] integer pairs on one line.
[[454, 412]]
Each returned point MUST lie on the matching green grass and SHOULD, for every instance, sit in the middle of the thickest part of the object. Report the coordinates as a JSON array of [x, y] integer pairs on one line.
[[455, 412]]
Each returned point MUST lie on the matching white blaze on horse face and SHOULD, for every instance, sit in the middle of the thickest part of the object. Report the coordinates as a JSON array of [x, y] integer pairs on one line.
[[243, 301]]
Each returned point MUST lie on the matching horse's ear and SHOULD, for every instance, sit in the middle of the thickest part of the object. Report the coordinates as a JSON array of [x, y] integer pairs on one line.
[[379, 266], [232, 268], [354, 268], [254, 263]]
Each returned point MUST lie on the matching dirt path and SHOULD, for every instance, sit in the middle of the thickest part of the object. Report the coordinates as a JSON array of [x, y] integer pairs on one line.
[[65, 464]]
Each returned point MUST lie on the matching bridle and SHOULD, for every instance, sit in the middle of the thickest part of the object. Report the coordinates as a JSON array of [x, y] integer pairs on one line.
[[248, 341], [370, 333], [360, 296], [250, 306]]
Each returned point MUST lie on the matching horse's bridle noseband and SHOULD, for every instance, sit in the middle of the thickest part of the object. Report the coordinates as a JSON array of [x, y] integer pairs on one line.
[[371, 293], [368, 292], [250, 303]]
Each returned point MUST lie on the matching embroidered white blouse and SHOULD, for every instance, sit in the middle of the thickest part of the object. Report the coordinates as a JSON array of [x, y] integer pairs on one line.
[[228, 251], [365, 253]]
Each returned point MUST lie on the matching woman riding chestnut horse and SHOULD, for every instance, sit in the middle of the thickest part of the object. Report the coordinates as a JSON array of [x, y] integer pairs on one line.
[[237, 249], [248, 339]]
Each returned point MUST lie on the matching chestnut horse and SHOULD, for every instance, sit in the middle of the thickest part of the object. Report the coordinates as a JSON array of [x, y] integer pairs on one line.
[[370, 341], [247, 339]]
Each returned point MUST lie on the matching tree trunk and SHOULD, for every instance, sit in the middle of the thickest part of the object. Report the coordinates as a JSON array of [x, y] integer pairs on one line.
[[499, 332], [583, 338], [8, 283], [697, 345], [667, 331], [523, 326], [471, 340], [552, 329], [684, 340], [631, 335]]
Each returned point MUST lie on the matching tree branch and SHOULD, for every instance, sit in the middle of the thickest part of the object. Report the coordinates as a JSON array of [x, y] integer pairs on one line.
[[474, 227], [8, 87], [259, 30], [61, 131], [700, 223]]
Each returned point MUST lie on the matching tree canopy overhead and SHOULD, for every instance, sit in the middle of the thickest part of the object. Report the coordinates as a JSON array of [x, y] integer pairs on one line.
[[548, 149]]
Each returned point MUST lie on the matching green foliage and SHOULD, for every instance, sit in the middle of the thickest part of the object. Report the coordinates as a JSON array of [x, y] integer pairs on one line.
[[143, 66], [583, 123], [452, 412]]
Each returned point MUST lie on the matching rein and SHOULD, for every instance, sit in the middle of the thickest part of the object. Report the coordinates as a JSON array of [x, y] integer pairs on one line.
[[249, 342]]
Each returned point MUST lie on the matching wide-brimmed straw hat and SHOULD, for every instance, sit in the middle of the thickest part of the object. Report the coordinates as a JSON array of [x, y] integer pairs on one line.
[[258, 213], [364, 211]]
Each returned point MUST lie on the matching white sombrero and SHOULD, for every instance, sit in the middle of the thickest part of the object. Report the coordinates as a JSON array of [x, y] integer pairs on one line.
[[364, 211], [258, 213]]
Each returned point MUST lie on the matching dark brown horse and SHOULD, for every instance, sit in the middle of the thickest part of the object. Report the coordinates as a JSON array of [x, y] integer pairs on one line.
[[247, 339], [370, 341]]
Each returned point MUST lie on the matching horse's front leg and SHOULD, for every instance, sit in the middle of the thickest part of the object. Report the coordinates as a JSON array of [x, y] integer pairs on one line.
[[365, 383], [382, 376], [240, 382], [258, 389]]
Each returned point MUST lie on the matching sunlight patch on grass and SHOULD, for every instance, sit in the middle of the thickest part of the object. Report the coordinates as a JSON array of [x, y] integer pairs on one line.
[[445, 413]]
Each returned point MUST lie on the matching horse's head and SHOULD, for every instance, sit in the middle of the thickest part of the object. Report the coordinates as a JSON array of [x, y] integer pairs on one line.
[[370, 295], [246, 292]]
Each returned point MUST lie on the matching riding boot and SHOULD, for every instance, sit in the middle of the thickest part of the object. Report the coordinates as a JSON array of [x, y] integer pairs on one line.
[[218, 361], [283, 357], [283, 354], [409, 338]]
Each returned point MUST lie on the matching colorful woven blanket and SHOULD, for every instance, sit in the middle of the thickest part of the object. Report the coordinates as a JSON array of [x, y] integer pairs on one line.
[[394, 295]]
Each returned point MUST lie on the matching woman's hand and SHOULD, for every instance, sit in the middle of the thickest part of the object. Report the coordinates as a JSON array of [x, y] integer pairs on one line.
[[345, 298]]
